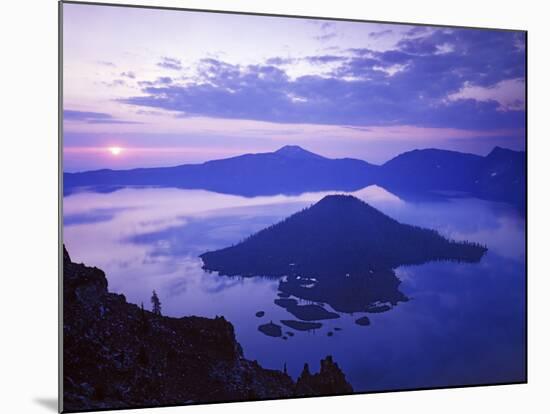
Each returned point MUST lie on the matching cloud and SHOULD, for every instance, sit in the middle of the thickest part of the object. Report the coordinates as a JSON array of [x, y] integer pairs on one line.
[[111, 121], [444, 48], [459, 78], [129, 74], [170, 63], [322, 59], [93, 117], [417, 30], [106, 63], [115, 83], [325, 37], [280, 61], [391, 70], [70, 115], [382, 33], [164, 80], [327, 32], [509, 94]]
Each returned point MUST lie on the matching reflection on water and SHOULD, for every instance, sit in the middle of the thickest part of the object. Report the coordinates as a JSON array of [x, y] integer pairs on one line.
[[463, 324], [375, 292]]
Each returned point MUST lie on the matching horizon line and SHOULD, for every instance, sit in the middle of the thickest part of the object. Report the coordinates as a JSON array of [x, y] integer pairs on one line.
[[172, 149]]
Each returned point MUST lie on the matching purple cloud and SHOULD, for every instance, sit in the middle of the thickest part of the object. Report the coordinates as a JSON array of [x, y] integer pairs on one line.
[[164, 80], [325, 37], [325, 59], [382, 33], [455, 78], [280, 61], [93, 117], [71, 115], [169, 63]]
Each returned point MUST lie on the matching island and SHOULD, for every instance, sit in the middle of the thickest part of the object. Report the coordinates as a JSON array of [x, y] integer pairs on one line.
[[341, 252], [339, 236]]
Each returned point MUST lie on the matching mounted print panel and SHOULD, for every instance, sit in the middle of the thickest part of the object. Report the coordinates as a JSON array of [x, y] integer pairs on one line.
[[263, 207]]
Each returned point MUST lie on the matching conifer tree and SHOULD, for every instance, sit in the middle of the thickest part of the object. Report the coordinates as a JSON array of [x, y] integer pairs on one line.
[[155, 301]]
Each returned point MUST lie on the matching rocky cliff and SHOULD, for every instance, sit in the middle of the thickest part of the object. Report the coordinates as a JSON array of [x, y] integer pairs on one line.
[[329, 381], [117, 355]]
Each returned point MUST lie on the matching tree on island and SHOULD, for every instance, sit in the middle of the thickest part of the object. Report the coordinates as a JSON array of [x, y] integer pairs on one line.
[[155, 301]]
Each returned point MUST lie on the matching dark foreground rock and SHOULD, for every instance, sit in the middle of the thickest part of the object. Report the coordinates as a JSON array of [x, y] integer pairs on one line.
[[117, 355], [330, 380]]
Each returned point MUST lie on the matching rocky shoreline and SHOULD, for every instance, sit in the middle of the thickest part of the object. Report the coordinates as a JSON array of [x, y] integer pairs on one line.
[[118, 355]]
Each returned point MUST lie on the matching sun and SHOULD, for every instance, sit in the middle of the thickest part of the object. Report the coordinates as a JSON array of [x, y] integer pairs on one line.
[[115, 150]]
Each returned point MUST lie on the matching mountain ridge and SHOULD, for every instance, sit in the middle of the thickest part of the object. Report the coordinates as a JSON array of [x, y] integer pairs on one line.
[[293, 170]]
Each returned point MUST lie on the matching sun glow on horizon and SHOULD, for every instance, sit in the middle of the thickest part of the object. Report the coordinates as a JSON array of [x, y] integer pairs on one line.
[[115, 150]]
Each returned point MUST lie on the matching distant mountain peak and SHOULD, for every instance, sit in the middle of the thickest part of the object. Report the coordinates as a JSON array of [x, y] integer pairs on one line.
[[498, 149], [503, 151], [295, 151], [291, 149]]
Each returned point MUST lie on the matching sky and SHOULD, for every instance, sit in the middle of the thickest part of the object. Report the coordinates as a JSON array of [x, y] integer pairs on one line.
[[150, 87]]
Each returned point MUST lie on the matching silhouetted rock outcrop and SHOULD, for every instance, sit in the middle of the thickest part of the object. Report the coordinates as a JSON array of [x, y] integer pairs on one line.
[[118, 355], [330, 379]]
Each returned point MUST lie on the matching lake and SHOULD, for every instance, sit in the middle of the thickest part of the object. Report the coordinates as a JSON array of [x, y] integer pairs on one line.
[[464, 323]]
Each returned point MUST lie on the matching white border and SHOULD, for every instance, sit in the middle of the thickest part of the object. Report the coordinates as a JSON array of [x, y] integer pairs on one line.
[[29, 204]]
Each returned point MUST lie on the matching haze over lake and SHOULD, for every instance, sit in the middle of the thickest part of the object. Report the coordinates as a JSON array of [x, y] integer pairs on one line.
[[463, 324]]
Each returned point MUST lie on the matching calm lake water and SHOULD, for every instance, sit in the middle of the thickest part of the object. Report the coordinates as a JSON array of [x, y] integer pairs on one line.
[[464, 323]]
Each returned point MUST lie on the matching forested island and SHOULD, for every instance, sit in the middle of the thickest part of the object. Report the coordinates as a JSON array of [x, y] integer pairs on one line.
[[339, 236]]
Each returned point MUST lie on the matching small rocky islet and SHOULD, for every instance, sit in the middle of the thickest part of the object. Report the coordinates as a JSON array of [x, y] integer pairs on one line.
[[271, 329], [309, 312], [363, 321]]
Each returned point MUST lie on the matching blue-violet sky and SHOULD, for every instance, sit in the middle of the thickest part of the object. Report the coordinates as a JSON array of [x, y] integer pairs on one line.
[[171, 87]]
